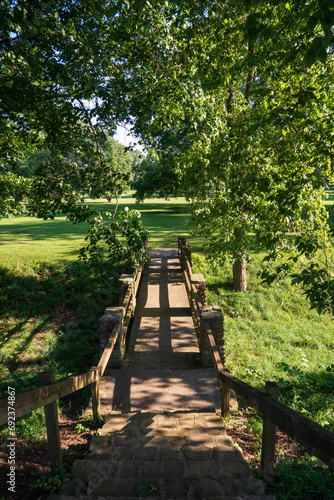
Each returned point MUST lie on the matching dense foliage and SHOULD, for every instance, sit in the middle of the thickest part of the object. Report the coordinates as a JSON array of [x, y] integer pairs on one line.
[[234, 98], [241, 105]]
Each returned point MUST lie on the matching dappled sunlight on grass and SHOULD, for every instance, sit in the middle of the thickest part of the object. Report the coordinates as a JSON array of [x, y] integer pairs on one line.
[[271, 334], [49, 319]]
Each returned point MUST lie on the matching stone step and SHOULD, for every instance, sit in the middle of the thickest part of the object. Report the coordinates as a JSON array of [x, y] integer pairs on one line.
[[169, 455], [162, 360], [163, 455], [98, 481], [160, 389]]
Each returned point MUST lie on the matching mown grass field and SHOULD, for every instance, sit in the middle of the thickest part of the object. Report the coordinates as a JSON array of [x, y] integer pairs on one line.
[[30, 241], [50, 304]]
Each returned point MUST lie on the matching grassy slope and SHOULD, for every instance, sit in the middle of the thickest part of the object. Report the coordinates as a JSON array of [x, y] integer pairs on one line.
[[46, 308], [49, 301], [271, 334]]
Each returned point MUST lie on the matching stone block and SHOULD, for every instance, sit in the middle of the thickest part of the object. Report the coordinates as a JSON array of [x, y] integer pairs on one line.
[[177, 488], [147, 468], [227, 484], [125, 440], [146, 453], [74, 487], [211, 420], [200, 469], [204, 488], [199, 282], [168, 453], [112, 316], [196, 452], [224, 455], [126, 281], [112, 486], [160, 441], [173, 470], [122, 452], [236, 469], [127, 469], [203, 440]]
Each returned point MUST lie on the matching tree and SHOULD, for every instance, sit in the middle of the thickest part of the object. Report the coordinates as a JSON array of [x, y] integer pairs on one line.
[[155, 177], [118, 173], [260, 166], [61, 76], [234, 97]]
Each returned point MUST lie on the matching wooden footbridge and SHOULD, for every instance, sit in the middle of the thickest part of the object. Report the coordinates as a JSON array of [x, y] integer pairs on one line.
[[164, 390]]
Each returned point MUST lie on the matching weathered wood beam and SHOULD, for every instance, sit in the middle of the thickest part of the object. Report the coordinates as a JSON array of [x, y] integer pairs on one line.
[[52, 425], [30, 400], [317, 440]]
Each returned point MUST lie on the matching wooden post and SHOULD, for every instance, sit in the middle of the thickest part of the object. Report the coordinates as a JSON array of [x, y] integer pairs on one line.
[[187, 251], [269, 439], [182, 240], [225, 396], [95, 390], [52, 425]]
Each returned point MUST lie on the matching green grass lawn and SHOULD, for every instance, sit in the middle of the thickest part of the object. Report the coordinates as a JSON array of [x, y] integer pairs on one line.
[[164, 220], [30, 241]]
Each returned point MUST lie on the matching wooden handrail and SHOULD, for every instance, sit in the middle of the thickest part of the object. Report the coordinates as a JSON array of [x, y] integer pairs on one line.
[[108, 350], [47, 394], [31, 399], [214, 350], [316, 439], [194, 299], [313, 437]]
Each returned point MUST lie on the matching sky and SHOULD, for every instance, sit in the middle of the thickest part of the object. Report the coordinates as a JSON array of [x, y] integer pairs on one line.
[[124, 136]]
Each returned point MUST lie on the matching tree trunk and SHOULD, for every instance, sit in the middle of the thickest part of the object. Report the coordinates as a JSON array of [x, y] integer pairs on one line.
[[239, 276]]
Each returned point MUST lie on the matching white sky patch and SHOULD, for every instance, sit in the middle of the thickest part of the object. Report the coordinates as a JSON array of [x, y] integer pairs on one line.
[[124, 136]]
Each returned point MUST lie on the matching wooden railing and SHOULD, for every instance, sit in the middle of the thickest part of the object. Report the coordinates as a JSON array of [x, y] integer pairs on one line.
[[50, 391], [314, 438]]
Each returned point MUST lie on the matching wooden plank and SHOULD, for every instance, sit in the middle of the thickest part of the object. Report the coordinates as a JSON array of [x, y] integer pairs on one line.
[[187, 282], [138, 279], [317, 440], [52, 425], [197, 299], [186, 263], [108, 349], [269, 439], [127, 298], [95, 391], [30, 400], [128, 314], [213, 348], [225, 397]]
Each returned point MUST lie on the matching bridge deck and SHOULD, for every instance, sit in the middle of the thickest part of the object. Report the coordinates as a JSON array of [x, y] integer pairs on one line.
[[165, 441], [162, 368]]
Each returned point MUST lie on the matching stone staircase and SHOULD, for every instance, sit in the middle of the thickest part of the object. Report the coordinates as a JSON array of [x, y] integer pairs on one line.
[[162, 455], [163, 437]]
